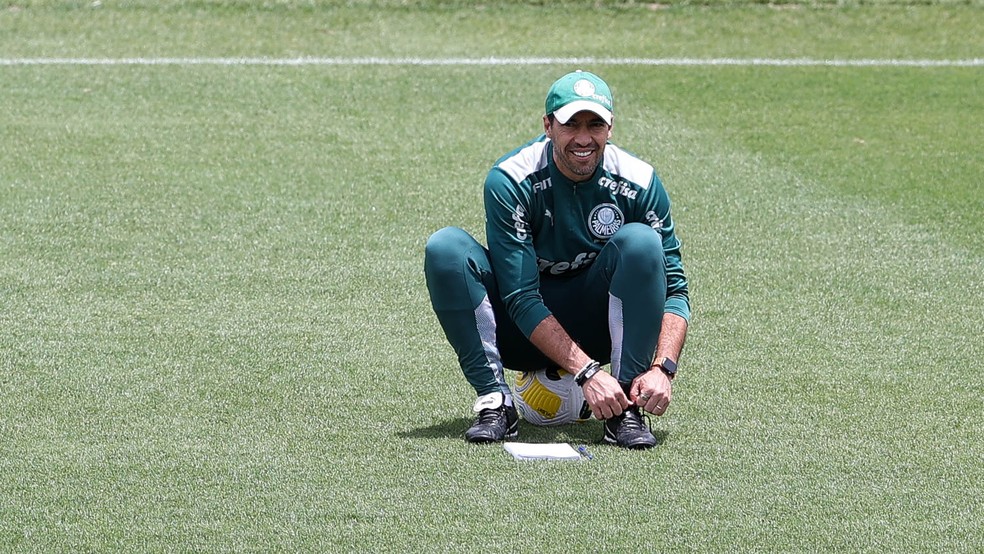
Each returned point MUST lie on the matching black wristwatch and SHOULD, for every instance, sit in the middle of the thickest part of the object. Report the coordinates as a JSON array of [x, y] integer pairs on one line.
[[668, 366]]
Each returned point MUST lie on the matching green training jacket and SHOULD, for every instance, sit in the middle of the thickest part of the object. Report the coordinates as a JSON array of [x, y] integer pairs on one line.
[[542, 225]]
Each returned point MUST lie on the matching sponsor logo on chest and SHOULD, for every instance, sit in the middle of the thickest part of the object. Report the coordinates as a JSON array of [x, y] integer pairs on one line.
[[620, 188]]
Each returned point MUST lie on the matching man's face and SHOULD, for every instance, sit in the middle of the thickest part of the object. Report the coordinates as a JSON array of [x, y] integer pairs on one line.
[[579, 144]]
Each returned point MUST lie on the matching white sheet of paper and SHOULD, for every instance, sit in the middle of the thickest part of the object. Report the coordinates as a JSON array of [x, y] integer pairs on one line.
[[545, 451]]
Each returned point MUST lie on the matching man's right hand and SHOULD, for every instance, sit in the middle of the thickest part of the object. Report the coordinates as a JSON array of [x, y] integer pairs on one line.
[[605, 396]]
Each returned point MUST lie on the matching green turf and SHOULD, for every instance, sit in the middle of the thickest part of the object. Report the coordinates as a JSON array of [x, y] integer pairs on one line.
[[215, 336]]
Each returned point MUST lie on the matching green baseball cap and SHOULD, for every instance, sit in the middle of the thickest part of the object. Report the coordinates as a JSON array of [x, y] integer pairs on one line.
[[579, 91]]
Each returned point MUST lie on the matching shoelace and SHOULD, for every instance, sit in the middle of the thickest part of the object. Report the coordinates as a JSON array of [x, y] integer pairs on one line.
[[489, 416], [636, 419]]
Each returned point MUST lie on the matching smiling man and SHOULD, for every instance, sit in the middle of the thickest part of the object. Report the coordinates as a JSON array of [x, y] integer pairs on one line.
[[582, 269]]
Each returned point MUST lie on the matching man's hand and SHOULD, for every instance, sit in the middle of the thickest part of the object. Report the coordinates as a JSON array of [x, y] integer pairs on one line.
[[651, 391], [605, 396]]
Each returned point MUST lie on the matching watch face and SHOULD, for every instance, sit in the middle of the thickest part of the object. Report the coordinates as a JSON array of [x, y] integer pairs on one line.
[[669, 366]]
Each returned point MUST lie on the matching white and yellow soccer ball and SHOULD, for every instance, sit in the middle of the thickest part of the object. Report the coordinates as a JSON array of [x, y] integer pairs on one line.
[[550, 397]]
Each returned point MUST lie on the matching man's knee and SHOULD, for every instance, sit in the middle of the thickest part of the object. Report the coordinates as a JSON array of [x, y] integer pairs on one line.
[[639, 242], [452, 254], [446, 244], [456, 268]]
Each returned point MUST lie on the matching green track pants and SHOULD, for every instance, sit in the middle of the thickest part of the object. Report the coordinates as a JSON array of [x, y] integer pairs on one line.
[[613, 309]]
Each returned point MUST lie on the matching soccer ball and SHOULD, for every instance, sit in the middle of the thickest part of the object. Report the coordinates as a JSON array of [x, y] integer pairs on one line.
[[550, 397]]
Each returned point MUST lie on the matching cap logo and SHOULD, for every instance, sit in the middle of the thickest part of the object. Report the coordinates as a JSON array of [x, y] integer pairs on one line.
[[584, 87], [576, 92]]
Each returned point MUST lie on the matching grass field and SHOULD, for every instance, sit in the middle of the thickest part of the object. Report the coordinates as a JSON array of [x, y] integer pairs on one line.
[[215, 335]]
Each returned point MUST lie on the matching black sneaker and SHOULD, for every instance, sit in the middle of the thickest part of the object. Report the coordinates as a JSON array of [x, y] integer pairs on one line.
[[494, 424], [629, 430]]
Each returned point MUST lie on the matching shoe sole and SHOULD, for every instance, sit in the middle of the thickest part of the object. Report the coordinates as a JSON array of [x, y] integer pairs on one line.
[[482, 440], [641, 445], [634, 446]]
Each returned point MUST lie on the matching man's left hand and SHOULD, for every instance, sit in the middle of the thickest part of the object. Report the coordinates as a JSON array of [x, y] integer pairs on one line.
[[651, 391]]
